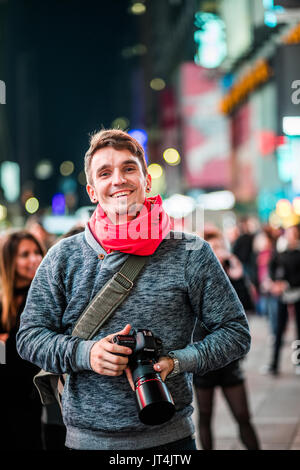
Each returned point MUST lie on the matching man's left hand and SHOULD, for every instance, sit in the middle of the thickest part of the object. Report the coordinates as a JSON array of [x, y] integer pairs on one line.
[[164, 366]]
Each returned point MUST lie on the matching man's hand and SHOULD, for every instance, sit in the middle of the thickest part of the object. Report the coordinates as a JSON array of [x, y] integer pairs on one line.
[[103, 358], [165, 365]]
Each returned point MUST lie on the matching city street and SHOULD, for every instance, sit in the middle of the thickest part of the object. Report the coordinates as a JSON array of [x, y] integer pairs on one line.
[[274, 401]]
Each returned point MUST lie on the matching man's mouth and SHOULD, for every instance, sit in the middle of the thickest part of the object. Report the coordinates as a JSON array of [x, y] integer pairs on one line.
[[121, 194]]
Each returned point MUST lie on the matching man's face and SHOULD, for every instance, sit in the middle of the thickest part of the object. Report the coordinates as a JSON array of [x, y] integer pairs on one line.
[[118, 183]]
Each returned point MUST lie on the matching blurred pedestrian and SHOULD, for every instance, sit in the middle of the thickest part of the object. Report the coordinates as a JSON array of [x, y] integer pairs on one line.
[[20, 415], [285, 274], [243, 247], [266, 303], [231, 377], [36, 226]]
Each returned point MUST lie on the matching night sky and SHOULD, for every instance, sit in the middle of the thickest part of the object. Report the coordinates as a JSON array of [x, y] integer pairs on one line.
[[76, 78]]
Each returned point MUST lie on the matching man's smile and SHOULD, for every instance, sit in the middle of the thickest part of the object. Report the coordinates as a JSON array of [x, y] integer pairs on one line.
[[125, 192]]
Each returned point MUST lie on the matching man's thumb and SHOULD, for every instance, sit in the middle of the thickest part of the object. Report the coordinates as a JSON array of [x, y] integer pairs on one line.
[[125, 330]]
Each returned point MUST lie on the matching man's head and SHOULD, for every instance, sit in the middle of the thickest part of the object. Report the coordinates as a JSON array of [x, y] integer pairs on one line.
[[117, 174], [117, 139]]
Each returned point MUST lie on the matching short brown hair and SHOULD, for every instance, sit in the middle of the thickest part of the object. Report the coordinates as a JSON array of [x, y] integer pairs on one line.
[[117, 139]]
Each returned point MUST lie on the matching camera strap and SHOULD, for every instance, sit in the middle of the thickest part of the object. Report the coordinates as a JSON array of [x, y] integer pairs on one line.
[[50, 386], [112, 294]]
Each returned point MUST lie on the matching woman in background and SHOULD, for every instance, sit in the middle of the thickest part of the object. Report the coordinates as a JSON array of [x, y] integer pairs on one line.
[[230, 378], [20, 407]]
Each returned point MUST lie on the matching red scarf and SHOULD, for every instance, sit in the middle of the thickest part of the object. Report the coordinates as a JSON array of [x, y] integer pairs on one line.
[[140, 236]]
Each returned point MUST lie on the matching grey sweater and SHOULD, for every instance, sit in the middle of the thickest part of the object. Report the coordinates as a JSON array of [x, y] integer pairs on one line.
[[182, 284]]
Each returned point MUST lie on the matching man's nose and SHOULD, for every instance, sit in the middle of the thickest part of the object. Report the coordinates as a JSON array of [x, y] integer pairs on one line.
[[118, 178]]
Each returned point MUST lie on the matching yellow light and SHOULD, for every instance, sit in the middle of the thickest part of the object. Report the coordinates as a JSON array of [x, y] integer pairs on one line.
[[138, 8], [157, 84], [284, 208], [171, 156], [3, 212], [120, 123], [32, 205], [155, 170], [274, 220], [66, 168], [296, 205], [291, 220], [81, 178]]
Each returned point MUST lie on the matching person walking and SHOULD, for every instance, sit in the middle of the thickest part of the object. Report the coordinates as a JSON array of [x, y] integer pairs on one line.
[[180, 282], [285, 274], [20, 415]]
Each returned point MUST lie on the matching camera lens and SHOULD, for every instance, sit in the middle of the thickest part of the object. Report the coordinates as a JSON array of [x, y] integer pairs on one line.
[[154, 401]]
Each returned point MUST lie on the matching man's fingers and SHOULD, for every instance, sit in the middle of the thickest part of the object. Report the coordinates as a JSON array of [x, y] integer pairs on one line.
[[129, 377]]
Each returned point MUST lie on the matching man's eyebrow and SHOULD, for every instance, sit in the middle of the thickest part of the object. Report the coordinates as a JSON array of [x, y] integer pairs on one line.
[[106, 166]]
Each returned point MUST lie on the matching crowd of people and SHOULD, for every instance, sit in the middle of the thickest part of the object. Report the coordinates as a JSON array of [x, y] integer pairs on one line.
[[271, 260]]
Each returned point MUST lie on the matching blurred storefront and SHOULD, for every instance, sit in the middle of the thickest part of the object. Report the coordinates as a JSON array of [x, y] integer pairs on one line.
[[264, 74]]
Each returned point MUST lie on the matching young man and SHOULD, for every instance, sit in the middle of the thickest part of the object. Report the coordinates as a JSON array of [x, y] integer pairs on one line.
[[181, 283]]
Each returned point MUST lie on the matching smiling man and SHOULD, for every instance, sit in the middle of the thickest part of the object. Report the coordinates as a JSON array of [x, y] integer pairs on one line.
[[177, 288]]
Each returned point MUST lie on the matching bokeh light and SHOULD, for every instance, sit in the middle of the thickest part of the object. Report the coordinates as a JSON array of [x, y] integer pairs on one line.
[[155, 170], [43, 170], [3, 212], [296, 205], [171, 156], [157, 84], [138, 8], [66, 168], [284, 208], [120, 123], [32, 205]]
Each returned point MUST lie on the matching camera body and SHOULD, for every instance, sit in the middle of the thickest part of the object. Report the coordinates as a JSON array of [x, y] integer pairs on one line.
[[155, 403]]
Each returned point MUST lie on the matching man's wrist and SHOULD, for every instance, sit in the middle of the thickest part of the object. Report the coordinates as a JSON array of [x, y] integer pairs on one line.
[[176, 368]]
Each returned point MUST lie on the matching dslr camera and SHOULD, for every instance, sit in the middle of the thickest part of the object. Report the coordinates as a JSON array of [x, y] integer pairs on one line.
[[154, 401]]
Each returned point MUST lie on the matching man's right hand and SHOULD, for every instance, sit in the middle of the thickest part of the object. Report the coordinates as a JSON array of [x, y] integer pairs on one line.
[[103, 355]]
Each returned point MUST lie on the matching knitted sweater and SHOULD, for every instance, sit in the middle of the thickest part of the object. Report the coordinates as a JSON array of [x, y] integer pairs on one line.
[[181, 284]]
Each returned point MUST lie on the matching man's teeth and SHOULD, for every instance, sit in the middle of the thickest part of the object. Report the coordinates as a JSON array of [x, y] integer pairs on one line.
[[125, 193]]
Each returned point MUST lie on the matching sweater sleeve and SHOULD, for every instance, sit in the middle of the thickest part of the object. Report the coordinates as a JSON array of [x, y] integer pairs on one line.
[[220, 314], [41, 339]]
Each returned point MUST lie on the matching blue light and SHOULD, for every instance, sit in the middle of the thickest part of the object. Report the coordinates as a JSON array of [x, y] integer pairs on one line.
[[285, 163], [142, 137], [210, 39], [270, 19], [268, 4], [58, 204]]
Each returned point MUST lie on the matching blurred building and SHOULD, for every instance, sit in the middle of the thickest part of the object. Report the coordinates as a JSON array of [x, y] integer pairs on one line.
[[229, 104], [262, 106]]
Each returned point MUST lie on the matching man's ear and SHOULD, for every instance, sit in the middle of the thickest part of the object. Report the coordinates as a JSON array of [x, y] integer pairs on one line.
[[148, 183], [91, 193]]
